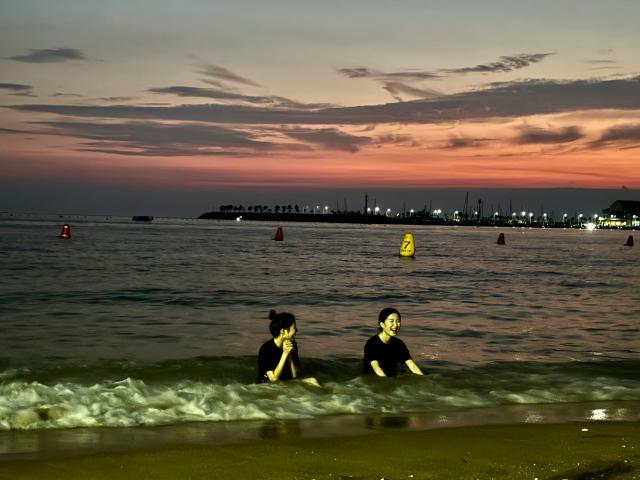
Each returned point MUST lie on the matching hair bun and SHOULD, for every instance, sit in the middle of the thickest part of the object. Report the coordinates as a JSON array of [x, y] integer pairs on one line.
[[272, 315]]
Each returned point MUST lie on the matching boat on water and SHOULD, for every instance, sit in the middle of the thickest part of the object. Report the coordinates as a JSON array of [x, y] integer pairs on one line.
[[141, 218]]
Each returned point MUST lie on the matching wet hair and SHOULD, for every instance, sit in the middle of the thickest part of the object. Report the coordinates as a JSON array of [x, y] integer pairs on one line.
[[280, 321], [384, 313]]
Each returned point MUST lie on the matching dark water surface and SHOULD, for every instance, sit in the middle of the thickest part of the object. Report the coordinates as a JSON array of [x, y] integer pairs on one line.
[[129, 324]]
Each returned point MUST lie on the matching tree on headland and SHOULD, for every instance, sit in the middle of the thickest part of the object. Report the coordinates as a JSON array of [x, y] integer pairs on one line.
[[296, 208], [277, 208]]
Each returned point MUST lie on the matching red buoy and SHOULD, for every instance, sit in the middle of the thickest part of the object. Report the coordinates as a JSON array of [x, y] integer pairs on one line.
[[279, 235], [66, 231], [501, 239], [629, 241]]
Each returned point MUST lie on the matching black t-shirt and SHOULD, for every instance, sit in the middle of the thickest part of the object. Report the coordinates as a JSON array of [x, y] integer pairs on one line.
[[388, 355], [269, 357]]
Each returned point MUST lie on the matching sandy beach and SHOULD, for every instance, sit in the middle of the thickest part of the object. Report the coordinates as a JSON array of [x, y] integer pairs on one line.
[[581, 450]]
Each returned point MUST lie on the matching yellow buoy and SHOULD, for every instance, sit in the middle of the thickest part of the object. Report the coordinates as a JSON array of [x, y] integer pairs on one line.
[[408, 246]]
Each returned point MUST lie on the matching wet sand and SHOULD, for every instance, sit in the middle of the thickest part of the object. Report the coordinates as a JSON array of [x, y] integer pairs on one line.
[[581, 450]]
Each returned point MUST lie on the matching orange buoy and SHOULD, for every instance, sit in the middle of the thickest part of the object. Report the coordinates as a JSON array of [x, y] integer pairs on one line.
[[279, 235], [629, 241], [501, 239], [66, 231]]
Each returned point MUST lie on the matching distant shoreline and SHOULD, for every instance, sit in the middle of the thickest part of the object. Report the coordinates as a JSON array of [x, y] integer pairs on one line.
[[358, 218]]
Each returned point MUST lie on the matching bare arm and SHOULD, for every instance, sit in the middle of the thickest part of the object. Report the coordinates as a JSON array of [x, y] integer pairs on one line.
[[413, 367], [377, 368], [274, 375]]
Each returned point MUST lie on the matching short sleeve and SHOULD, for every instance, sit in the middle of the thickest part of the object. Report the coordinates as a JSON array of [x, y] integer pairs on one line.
[[369, 352], [265, 363]]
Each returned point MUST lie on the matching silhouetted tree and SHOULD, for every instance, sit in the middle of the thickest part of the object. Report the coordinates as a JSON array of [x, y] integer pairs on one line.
[[277, 208], [297, 208]]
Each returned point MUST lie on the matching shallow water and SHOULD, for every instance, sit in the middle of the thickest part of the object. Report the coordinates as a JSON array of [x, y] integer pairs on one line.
[[151, 324]]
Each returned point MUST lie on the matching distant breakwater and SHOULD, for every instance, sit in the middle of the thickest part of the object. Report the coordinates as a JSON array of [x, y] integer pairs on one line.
[[308, 217], [359, 218]]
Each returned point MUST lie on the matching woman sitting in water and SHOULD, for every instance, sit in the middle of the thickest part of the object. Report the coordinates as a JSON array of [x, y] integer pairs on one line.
[[278, 358], [384, 351]]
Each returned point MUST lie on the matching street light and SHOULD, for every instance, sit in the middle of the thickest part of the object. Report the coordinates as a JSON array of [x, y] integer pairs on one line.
[[376, 210]]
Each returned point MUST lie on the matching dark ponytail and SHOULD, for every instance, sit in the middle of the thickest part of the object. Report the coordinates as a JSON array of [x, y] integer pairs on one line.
[[280, 321]]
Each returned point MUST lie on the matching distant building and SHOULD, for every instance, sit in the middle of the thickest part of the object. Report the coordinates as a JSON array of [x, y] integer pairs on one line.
[[621, 213]]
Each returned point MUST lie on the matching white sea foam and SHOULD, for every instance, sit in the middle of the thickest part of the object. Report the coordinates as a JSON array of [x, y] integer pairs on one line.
[[133, 402]]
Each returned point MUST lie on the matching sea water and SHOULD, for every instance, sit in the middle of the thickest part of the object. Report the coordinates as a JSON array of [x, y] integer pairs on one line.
[[154, 324]]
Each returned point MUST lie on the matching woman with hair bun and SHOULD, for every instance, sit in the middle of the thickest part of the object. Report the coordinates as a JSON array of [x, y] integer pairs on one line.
[[278, 358]]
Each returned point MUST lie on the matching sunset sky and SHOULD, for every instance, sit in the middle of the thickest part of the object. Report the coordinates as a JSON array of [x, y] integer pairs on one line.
[[173, 107]]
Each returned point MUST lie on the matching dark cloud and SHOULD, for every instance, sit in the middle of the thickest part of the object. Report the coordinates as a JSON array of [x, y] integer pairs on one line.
[[60, 94], [18, 89], [116, 99], [50, 55], [396, 89], [9, 130], [504, 64], [218, 94], [407, 75], [541, 135], [284, 102], [330, 138], [397, 83], [504, 101], [218, 73], [624, 136], [227, 96], [396, 139], [462, 142], [147, 138]]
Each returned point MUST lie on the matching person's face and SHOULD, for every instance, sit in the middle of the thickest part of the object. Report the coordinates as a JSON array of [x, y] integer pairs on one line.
[[391, 325], [289, 333]]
